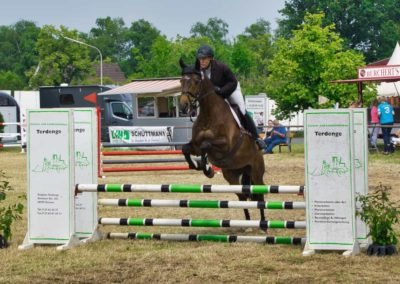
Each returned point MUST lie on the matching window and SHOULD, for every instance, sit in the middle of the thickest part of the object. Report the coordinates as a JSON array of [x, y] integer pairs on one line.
[[146, 106], [120, 109], [66, 99]]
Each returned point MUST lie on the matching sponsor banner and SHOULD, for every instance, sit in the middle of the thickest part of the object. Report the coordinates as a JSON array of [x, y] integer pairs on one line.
[[51, 178], [380, 72], [141, 134], [85, 127], [330, 179], [256, 106]]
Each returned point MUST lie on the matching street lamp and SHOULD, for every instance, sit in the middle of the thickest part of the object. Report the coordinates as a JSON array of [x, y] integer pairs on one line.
[[101, 56]]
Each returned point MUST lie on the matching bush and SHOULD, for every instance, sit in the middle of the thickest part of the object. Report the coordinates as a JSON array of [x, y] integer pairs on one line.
[[7, 213], [380, 214]]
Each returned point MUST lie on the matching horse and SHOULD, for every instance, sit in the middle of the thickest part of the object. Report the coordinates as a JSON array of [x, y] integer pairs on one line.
[[217, 137]]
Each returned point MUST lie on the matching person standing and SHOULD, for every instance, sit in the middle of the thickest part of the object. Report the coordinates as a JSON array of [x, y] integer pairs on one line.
[[374, 122], [226, 85], [386, 119]]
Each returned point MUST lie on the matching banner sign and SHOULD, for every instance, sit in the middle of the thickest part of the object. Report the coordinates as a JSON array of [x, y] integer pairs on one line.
[[361, 165], [51, 172], [330, 182], [141, 134], [257, 107], [379, 72], [85, 127]]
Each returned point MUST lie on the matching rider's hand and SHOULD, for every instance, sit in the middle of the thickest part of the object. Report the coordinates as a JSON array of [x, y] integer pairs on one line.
[[217, 89]]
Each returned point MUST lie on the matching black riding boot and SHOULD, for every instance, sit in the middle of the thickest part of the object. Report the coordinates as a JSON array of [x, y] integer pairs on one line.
[[251, 127]]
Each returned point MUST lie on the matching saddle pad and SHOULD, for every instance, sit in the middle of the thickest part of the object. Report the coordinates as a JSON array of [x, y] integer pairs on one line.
[[234, 115]]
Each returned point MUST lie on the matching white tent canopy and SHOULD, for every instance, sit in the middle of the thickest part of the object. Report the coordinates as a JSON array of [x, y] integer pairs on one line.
[[391, 89], [149, 87]]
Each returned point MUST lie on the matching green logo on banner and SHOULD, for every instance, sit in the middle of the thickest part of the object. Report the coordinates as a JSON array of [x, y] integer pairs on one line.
[[120, 134]]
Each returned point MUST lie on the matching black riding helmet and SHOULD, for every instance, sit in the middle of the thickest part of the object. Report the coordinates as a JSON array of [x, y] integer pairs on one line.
[[204, 51]]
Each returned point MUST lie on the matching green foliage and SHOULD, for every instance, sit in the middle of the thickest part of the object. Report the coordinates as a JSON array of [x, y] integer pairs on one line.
[[7, 213], [61, 61], [380, 214], [303, 66], [110, 36], [251, 63], [370, 26], [215, 29], [17, 50], [11, 81], [140, 38]]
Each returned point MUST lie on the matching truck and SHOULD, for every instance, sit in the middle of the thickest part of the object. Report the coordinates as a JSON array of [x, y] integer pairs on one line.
[[114, 110]]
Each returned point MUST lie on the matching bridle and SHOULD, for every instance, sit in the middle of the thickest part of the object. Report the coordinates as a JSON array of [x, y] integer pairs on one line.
[[194, 99]]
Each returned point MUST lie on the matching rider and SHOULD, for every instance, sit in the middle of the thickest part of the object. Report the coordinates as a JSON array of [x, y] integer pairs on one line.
[[226, 85]]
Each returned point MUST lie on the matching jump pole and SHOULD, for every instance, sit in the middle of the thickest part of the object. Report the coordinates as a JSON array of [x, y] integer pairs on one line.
[[208, 237], [207, 223], [202, 203], [142, 153], [188, 188]]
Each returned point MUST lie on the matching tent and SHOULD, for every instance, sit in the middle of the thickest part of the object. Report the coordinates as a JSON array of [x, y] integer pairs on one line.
[[391, 89]]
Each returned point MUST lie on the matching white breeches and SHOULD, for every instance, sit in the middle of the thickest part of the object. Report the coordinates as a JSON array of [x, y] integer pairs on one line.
[[237, 98]]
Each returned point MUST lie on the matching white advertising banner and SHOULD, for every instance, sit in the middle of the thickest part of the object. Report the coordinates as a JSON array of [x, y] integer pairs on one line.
[[141, 134], [329, 173], [361, 165], [51, 172], [257, 106], [85, 126]]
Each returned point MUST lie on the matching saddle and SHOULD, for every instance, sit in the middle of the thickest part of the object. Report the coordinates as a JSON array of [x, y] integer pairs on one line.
[[239, 117]]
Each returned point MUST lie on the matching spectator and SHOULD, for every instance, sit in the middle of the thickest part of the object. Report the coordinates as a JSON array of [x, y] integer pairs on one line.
[[386, 113], [278, 135], [268, 131], [374, 122], [396, 138]]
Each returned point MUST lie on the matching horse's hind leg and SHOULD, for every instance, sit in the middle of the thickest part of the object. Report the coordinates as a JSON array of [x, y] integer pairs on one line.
[[257, 178], [246, 180], [233, 177]]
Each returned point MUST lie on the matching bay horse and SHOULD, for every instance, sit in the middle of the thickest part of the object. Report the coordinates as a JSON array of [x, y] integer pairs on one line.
[[217, 137]]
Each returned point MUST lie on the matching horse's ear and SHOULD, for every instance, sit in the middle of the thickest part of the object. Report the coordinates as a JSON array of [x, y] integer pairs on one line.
[[182, 64]]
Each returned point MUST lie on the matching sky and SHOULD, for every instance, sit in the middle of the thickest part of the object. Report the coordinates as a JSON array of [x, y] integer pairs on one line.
[[171, 17]]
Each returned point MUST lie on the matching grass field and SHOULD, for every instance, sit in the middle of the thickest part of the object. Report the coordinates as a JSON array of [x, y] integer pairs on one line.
[[148, 261]]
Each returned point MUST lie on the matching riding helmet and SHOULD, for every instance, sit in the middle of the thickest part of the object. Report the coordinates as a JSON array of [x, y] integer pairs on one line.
[[204, 51]]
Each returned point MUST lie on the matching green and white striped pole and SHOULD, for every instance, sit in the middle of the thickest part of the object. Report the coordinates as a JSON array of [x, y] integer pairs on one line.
[[187, 188], [202, 203], [206, 237], [273, 224]]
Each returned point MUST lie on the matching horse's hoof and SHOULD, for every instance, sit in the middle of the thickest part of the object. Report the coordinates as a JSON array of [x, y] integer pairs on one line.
[[210, 173]]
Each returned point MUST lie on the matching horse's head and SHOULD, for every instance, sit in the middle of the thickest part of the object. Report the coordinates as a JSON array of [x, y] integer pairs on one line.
[[191, 86]]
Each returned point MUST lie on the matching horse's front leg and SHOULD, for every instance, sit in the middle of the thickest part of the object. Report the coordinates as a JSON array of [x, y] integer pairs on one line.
[[205, 147], [187, 151]]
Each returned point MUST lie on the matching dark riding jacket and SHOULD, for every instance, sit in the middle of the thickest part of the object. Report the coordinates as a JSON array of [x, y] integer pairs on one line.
[[222, 77]]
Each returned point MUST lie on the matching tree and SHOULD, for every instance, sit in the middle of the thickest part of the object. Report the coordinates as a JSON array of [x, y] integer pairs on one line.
[[140, 38], [251, 54], [304, 65], [17, 52], [110, 36], [164, 56], [215, 29], [60, 61], [11, 81], [370, 26]]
